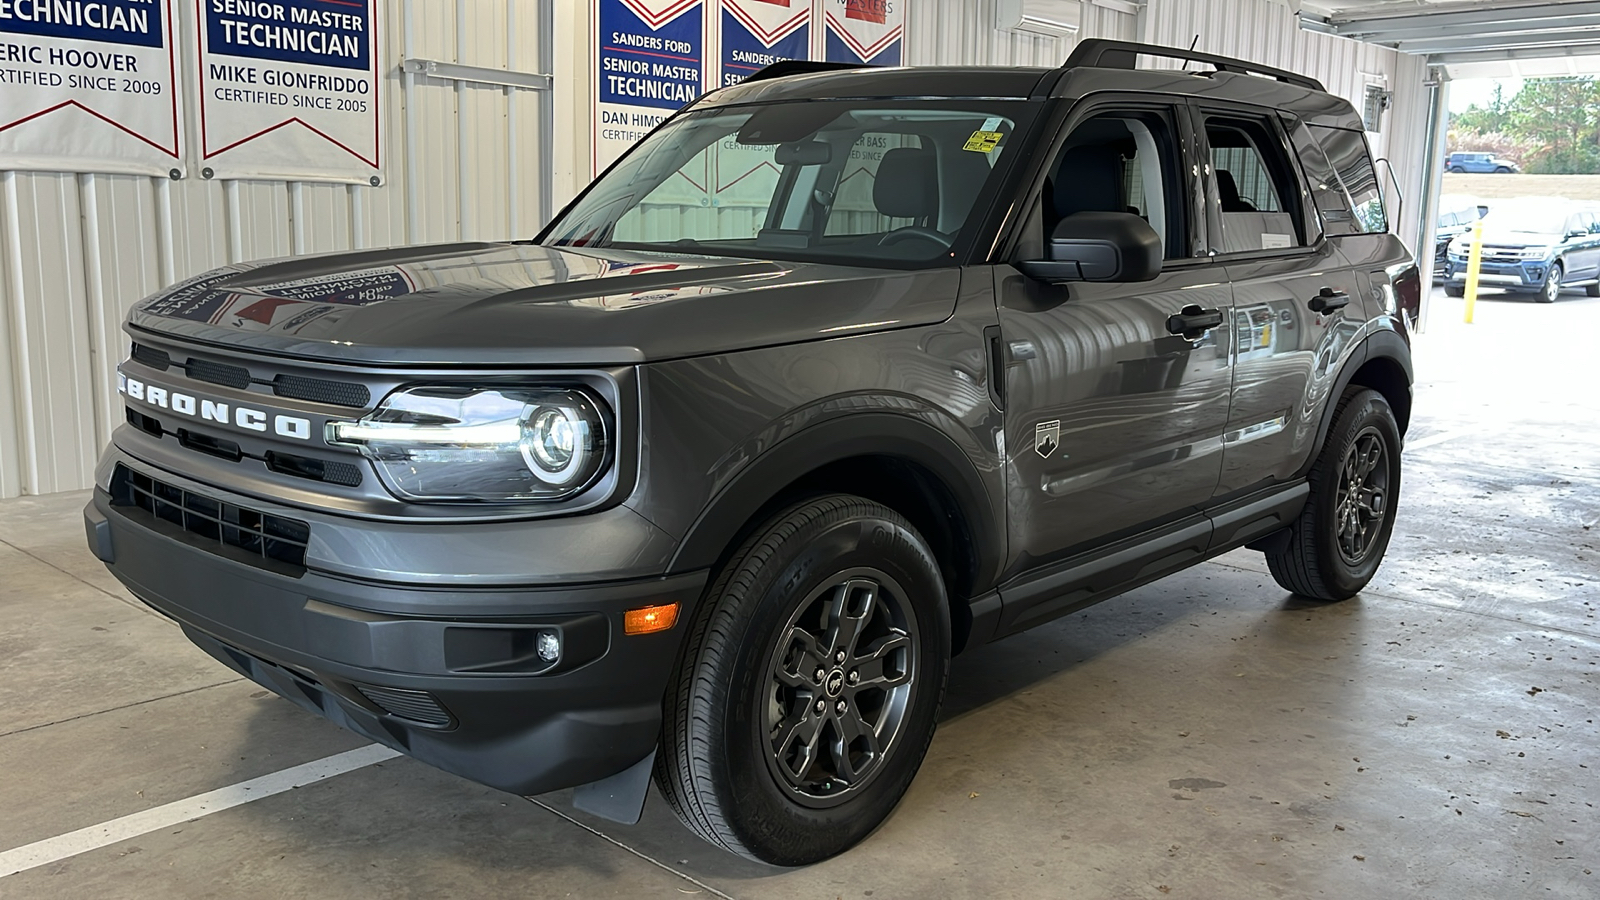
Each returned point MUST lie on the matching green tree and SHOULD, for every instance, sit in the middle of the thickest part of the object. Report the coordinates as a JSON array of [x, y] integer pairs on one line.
[[1560, 117]]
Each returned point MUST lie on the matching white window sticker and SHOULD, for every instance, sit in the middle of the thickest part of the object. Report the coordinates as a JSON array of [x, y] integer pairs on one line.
[[1276, 242]]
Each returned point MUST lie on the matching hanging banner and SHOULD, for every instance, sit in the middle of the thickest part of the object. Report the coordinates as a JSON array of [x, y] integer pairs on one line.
[[650, 61], [289, 90], [869, 32], [89, 86], [758, 33]]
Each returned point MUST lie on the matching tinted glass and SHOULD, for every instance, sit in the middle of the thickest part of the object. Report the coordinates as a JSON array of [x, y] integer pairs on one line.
[[855, 182], [1125, 162], [1360, 210], [1255, 186]]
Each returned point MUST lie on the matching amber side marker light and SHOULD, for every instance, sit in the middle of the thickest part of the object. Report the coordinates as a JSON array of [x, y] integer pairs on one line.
[[650, 619]]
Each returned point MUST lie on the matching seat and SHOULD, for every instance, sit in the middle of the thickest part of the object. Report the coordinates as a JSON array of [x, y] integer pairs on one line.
[[1228, 194], [1089, 179], [907, 185]]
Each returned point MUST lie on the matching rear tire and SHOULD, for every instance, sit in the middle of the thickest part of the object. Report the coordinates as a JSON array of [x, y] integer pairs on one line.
[[838, 602], [1336, 545], [1551, 289], [1455, 290], [1457, 170]]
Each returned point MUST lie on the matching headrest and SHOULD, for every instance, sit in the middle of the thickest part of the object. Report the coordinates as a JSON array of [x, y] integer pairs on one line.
[[1089, 180], [1228, 193], [906, 186]]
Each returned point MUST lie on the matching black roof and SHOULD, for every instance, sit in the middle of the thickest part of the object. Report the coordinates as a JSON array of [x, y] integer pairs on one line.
[[1093, 66]]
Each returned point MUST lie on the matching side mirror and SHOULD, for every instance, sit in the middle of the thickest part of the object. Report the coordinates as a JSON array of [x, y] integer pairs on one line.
[[1098, 246]]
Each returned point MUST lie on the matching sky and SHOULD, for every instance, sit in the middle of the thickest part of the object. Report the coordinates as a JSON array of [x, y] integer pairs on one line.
[[1479, 91]]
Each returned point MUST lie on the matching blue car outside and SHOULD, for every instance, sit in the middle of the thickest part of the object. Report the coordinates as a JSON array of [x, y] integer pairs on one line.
[[1480, 163], [1533, 246]]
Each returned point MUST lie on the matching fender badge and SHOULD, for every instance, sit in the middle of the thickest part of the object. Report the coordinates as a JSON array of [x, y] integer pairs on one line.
[[1047, 438]]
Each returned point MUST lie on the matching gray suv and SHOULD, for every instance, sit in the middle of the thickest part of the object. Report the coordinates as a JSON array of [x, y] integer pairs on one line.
[[836, 373]]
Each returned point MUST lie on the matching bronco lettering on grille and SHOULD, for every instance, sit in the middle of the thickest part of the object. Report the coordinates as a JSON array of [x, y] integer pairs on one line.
[[292, 427]]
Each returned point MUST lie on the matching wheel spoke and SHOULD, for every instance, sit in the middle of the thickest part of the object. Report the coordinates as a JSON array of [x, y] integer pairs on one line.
[[871, 665], [805, 731], [854, 735], [796, 668], [854, 606]]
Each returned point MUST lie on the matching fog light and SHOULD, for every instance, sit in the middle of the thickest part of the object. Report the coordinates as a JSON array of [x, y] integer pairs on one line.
[[650, 619], [548, 646]]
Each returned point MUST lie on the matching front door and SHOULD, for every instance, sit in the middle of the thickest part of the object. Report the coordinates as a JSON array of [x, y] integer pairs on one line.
[[1113, 420]]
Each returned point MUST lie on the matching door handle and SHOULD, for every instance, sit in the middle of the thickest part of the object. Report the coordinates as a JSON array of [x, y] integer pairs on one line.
[[1193, 322], [1329, 300]]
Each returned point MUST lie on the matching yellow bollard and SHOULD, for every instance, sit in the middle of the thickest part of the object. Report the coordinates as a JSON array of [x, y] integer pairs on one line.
[[1474, 261]]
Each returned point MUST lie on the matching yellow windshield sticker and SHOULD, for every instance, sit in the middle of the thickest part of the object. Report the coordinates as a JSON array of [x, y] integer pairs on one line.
[[983, 141]]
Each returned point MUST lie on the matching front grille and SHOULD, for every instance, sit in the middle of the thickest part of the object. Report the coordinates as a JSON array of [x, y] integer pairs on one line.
[[414, 706], [150, 356], [269, 537], [317, 390], [218, 373], [297, 387], [315, 469]]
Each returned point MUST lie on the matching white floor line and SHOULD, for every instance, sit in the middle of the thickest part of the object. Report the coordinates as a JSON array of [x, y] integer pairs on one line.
[[1440, 438], [83, 840]]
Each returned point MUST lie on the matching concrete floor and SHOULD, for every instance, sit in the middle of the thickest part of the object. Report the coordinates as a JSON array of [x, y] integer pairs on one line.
[[1207, 736]]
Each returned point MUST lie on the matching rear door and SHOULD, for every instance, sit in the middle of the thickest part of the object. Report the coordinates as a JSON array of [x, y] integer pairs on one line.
[[1297, 300], [1113, 421]]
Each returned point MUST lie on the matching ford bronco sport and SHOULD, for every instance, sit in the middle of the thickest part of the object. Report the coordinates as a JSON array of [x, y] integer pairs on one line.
[[837, 372]]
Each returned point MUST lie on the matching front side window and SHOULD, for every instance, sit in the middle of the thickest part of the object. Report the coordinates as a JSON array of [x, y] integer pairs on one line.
[[1126, 162], [832, 181]]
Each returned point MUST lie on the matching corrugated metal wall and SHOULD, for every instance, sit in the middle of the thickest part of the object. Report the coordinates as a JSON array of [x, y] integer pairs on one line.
[[465, 161], [76, 250], [1266, 32]]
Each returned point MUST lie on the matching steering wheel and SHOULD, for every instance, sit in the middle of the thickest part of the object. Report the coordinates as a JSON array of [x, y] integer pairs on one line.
[[917, 231]]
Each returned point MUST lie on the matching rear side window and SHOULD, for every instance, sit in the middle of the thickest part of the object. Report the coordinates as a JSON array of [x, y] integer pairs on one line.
[[1360, 209], [1256, 188]]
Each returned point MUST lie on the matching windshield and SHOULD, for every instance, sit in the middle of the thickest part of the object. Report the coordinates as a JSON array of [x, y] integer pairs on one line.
[[1528, 218], [847, 182]]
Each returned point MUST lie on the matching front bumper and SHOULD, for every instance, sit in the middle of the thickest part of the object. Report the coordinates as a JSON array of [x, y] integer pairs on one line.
[[1520, 275], [463, 693]]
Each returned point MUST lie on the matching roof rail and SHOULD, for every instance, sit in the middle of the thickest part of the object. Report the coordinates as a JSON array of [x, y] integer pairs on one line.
[[786, 67], [1105, 54]]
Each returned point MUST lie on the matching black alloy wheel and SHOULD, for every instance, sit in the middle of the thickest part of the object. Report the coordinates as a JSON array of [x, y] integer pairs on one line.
[[1337, 543], [1363, 498], [839, 684], [809, 683]]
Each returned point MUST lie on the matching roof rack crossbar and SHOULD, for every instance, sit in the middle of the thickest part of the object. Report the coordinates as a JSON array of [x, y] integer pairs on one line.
[[785, 67], [1107, 54]]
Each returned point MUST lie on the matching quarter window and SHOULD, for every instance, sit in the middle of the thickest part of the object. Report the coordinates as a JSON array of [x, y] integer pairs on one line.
[[1359, 207]]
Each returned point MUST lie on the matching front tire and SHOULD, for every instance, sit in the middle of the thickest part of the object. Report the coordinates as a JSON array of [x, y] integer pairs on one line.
[[1502, 170], [1336, 545], [1550, 291], [809, 685], [1455, 290]]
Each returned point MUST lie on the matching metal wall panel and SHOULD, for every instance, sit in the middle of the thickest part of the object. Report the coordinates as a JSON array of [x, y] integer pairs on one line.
[[466, 161], [76, 250], [1266, 32]]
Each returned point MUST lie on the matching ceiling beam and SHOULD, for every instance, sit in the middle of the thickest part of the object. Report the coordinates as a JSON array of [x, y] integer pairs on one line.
[[1477, 18], [1551, 39], [1589, 49]]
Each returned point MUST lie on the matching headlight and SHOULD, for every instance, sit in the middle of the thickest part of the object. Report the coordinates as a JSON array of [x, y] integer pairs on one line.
[[1534, 252], [484, 443]]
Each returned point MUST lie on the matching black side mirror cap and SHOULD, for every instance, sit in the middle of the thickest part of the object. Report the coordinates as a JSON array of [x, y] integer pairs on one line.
[[1098, 246]]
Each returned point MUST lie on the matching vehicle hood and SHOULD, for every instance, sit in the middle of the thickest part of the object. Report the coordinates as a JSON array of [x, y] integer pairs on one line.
[[484, 303]]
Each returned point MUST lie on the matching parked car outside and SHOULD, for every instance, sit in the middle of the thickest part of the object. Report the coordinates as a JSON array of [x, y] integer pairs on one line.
[[710, 483], [1457, 215], [1533, 245], [1480, 163]]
